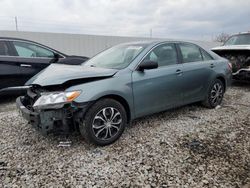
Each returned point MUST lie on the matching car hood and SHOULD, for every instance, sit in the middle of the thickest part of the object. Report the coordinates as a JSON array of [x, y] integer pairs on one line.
[[231, 47], [57, 74]]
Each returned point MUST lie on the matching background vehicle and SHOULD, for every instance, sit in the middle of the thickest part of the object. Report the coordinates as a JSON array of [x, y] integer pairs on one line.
[[123, 83], [237, 50], [21, 59]]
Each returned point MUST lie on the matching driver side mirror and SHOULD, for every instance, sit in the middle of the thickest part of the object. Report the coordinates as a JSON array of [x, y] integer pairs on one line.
[[56, 56], [147, 64]]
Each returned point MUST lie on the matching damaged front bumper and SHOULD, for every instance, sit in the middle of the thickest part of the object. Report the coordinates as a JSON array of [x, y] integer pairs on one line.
[[61, 120]]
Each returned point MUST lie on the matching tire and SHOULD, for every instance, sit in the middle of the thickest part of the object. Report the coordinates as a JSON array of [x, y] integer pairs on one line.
[[104, 122], [215, 94]]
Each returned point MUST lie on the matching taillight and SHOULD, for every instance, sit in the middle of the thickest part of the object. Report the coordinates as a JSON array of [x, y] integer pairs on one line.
[[230, 66]]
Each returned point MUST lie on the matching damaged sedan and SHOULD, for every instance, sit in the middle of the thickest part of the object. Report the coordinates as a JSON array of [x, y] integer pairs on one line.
[[237, 50], [120, 84]]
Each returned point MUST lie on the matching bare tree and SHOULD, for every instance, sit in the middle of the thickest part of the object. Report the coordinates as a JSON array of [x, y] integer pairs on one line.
[[222, 37]]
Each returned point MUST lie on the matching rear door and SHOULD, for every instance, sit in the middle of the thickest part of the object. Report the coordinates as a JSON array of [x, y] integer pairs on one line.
[[158, 89], [9, 66], [198, 67], [32, 58]]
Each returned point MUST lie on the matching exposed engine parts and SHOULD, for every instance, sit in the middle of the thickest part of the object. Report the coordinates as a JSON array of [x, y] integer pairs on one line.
[[240, 60]]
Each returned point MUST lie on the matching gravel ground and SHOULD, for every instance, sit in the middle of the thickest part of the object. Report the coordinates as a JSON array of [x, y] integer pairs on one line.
[[187, 147]]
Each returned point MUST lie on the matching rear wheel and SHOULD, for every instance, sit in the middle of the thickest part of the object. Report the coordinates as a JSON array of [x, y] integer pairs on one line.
[[104, 122], [215, 94]]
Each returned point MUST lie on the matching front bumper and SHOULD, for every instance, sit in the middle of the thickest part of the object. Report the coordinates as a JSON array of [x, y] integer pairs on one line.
[[30, 116], [47, 121]]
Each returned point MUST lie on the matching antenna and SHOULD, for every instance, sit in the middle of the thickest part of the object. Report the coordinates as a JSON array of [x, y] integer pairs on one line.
[[151, 33], [16, 23]]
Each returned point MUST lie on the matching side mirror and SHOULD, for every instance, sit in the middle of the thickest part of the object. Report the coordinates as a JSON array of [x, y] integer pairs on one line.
[[147, 64], [55, 58]]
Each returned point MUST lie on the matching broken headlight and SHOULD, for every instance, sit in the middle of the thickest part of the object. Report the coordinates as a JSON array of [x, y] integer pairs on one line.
[[55, 99]]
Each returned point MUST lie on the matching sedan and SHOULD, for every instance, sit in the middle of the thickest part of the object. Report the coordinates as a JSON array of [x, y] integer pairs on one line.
[[121, 84], [21, 59]]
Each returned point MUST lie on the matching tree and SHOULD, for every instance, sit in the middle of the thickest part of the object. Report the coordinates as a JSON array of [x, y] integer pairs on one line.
[[222, 37]]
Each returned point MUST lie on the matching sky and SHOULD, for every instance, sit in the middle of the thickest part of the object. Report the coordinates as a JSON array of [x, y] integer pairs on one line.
[[182, 19]]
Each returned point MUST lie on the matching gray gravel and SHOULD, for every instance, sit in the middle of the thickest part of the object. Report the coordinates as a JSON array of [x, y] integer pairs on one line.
[[187, 147]]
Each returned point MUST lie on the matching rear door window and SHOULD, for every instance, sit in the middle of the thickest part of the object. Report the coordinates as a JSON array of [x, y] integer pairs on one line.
[[4, 49], [190, 53], [205, 55]]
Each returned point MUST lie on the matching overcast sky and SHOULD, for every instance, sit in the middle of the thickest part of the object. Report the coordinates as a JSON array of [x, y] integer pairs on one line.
[[188, 19]]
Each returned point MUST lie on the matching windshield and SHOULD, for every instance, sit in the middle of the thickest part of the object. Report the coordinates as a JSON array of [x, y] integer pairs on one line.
[[117, 57], [238, 40]]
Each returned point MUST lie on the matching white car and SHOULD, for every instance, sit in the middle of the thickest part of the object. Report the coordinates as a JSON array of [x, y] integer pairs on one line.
[[237, 50]]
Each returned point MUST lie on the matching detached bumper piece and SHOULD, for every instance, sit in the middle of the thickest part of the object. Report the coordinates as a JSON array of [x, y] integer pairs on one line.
[[46, 121], [242, 74]]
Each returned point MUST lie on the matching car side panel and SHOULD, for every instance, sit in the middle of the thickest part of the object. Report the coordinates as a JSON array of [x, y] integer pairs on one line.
[[196, 76], [119, 85], [157, 89], [222, 71], [9, 72], [31, 66]]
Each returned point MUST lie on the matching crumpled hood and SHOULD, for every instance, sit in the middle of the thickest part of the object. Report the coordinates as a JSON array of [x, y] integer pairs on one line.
[[231, 47], [57, 74]]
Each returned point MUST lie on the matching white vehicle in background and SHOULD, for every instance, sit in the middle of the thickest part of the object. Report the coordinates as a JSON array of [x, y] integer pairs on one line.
[[237, 50]]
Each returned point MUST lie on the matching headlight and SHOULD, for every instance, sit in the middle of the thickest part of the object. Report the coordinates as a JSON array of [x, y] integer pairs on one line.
[[55, 99]]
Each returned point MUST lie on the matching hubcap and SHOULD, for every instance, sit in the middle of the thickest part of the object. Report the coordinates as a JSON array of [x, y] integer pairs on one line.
[[107, 123], [216, 94]]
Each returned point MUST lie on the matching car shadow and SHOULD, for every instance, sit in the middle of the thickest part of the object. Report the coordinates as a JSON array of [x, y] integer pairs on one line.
[[8, 98], [241, 84]]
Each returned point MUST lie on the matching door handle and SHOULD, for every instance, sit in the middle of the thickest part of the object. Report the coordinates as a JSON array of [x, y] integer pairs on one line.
[[212, 65], [25, 65], [179, 72]]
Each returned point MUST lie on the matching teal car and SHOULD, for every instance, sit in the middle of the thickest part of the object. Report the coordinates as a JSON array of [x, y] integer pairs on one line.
[[100, 97]]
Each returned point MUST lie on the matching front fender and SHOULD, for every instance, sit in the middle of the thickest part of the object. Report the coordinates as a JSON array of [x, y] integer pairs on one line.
[[118, 85]]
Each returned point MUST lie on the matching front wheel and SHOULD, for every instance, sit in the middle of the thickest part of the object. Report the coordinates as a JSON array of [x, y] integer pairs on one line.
[[104, 122], [215, 94]]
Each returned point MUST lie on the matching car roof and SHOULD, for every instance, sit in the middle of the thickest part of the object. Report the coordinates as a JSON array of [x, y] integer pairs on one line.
[[25, 40], [161, 41], [14, 38], [152, 42]]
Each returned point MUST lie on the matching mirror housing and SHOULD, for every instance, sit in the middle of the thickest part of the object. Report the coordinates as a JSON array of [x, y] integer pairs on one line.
[[55, 58], [147, 65]]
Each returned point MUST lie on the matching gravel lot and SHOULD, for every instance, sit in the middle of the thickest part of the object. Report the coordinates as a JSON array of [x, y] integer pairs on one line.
[[187, 147]]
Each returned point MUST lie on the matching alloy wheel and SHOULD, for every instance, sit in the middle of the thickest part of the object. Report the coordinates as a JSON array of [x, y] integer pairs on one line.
[[216, 94], [107, 123]]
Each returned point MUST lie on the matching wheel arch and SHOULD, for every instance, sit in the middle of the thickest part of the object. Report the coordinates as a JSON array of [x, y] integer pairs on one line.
[[121, 100], [223, 80]]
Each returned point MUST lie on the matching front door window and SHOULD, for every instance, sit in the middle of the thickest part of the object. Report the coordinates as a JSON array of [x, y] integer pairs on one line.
[[29, 50]]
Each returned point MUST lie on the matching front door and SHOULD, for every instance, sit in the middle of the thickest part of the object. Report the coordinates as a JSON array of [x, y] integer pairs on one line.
[[158, 89], [32, 58], [9, 67]]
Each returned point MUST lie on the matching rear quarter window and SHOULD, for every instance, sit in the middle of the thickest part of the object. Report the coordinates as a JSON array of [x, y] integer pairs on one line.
[[206, 56]]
